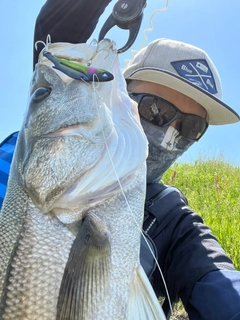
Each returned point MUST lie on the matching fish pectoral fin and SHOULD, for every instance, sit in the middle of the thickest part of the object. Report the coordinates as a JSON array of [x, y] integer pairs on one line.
[[84, 284], [143, 303]]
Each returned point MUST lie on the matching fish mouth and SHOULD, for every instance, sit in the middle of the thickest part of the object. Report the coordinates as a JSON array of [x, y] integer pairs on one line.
[[77, 130], [64, 130]]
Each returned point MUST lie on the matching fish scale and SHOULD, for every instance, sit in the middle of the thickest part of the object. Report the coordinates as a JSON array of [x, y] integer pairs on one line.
[[34, 288], [10, 227]]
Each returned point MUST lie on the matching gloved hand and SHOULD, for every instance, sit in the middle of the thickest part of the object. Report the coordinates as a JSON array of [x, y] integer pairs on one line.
[[67, 21]]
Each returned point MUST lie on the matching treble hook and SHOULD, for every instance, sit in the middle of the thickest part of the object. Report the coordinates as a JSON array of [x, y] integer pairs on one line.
[[126, 14]]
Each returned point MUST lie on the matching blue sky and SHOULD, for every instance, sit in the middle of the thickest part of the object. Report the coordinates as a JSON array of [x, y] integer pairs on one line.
[[212, 25]]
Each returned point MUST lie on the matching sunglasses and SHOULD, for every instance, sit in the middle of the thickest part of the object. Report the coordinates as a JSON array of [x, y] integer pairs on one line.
[[161, 113]]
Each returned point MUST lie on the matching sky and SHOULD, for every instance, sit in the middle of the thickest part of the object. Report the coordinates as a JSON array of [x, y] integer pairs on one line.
[[212, 25]]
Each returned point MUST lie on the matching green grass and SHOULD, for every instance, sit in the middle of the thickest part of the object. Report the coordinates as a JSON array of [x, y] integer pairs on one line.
[[212, 187]]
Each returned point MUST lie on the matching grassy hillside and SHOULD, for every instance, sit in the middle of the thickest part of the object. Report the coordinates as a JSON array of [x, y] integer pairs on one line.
[[213, 190]]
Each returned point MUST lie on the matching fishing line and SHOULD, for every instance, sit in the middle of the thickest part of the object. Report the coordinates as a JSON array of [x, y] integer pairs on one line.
[[127, 61], [126, 200], [151, 24], [133, 52]]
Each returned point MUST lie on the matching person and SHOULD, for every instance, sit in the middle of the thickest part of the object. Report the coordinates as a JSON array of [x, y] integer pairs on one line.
[[178, 92]]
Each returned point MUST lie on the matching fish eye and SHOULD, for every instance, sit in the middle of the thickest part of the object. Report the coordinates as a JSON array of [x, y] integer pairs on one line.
[[40, 94]]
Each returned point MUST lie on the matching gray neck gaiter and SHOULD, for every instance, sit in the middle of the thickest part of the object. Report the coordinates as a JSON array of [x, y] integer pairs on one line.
[[165, 146]]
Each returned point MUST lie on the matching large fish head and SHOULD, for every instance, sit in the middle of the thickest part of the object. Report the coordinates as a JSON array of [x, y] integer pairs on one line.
[[79, 139]]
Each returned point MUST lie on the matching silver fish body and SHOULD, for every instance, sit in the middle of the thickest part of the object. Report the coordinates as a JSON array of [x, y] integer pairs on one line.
[[71, 219]]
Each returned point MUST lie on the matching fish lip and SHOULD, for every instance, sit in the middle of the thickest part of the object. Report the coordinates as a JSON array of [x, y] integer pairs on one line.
[[60, 130]]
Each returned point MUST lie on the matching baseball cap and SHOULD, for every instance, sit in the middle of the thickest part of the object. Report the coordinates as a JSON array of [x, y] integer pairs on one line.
[[184, 68]]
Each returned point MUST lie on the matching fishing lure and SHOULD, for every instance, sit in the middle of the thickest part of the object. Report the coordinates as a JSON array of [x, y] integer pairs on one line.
[[78, 71]]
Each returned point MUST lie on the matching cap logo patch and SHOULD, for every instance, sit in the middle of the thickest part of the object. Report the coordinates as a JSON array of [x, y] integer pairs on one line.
[[197, 72]]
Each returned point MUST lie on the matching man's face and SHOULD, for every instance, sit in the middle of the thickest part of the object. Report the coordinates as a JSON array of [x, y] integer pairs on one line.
[[182, 102], [172, 124]]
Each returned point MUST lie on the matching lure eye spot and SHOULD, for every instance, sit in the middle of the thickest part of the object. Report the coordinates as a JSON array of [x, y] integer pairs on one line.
[[105, 75], [40, 94]]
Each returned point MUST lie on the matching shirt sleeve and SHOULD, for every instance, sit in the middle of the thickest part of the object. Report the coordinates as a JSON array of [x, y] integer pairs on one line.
[[7, 148], [187, 251], [68, 21], [216, 296]]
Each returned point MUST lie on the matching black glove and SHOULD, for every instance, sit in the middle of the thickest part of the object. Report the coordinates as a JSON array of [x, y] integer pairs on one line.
[[67, 21]]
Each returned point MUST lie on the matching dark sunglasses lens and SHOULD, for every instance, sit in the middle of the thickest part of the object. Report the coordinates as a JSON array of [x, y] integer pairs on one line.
[[160, 112], [192, 127], [156, 110]]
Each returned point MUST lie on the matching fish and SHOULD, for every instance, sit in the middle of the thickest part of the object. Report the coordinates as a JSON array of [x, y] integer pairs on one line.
[[71, 219]]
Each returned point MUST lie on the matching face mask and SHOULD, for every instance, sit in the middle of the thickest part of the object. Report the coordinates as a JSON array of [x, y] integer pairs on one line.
[[165, 146]]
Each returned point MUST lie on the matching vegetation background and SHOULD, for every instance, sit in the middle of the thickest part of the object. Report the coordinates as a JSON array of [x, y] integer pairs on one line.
[[212, 187]]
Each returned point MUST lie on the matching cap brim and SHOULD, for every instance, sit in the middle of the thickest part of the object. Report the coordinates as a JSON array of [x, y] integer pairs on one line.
[[219, 112]]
